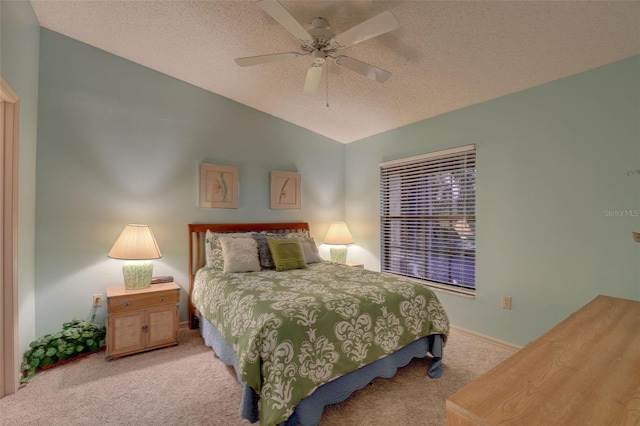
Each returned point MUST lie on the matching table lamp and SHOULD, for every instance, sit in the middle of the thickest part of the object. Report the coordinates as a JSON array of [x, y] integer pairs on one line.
[[338, 235], [137, 246]]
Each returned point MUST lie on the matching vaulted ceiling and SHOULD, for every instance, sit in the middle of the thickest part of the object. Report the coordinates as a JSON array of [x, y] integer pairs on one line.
[[445, 55]]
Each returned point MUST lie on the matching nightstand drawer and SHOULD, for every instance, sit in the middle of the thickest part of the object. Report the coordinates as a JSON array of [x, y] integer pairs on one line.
[[133, 302], [121, 300]]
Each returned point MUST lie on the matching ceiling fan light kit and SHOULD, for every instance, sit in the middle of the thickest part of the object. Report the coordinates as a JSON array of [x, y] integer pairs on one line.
[[321, 43]]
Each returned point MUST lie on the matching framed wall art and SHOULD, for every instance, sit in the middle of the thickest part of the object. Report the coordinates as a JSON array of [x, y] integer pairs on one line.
[[218, 186], [285, 190]]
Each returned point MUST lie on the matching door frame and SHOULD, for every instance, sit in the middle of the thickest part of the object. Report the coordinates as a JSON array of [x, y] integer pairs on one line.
[[9, 126]]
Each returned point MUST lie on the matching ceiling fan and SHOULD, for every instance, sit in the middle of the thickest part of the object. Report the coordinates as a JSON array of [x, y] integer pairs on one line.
[[321, 43]]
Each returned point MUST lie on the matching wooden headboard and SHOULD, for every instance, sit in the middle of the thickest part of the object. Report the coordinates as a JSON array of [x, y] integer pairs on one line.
[[197, 258]]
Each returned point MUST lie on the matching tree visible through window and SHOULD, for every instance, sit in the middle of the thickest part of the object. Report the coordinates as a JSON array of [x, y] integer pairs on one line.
[[427, 217]]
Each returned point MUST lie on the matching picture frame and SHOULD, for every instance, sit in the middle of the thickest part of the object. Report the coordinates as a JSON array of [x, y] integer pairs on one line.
[[285, 190], [218, 186]]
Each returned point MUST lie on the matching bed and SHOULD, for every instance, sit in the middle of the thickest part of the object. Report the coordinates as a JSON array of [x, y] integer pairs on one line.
[[302, 333]]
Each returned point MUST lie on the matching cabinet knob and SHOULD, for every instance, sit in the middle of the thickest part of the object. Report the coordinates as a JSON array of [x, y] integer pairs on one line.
[[126, 303], [162, 298]]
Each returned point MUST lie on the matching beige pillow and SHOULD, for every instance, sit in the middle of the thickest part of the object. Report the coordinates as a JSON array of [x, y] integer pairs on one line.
[[310, 249], [213, 250], [240, 254]]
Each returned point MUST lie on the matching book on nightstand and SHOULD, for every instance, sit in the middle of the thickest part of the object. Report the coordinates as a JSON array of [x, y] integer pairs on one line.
[[162, 279]]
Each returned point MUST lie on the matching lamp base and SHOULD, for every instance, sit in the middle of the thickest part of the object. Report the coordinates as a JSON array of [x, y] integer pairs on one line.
[[338, 254], [137, 274]]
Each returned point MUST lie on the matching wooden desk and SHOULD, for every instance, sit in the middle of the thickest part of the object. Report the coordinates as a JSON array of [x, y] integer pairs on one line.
[[584, 371]]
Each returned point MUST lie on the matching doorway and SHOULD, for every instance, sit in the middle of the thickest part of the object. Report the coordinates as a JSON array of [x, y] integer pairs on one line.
[[9, 125]]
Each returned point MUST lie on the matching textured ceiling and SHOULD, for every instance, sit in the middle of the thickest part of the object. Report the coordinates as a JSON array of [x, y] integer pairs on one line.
[[446, 55]]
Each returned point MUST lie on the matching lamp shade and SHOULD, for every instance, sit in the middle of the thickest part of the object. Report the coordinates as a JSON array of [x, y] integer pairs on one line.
[[136, 242], [338, 233]]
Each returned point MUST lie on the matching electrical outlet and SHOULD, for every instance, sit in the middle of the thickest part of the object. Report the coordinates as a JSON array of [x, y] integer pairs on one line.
[[506, 302], [97, 300]]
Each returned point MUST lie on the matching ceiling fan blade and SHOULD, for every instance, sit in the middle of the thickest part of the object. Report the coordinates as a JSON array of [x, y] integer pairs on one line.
[[313, 78], [263, 59], [284, 18], [369, 71], [370, 28]]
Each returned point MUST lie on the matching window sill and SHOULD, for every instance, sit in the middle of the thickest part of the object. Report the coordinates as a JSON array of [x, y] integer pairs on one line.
[[471, 294]]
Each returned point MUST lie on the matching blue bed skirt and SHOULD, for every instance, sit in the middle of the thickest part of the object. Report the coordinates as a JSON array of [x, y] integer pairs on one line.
[[309, 411]]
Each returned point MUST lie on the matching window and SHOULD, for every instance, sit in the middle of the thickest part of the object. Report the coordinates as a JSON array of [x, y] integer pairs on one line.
[[427, 218]]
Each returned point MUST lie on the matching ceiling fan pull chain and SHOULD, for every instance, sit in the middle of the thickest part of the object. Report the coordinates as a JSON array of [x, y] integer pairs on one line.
[[327, 84]]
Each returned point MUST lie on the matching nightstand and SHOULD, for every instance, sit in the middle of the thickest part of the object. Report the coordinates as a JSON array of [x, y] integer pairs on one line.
[[141, 320]]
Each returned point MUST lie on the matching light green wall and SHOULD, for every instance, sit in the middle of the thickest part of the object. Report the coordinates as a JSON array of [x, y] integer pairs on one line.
[[554, 167], [19, 47], [119, 143]]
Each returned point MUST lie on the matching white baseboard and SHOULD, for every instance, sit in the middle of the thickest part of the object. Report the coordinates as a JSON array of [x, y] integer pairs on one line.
[[485, 338]]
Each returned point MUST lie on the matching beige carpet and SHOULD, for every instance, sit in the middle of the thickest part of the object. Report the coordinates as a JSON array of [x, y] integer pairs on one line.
[[188, 385]]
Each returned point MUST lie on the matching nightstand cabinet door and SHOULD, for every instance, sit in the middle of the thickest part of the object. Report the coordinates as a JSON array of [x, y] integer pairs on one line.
[[124, 333], [140, 320], [163, 325]]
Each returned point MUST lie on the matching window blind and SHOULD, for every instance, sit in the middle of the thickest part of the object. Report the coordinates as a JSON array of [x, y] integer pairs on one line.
[[427, 217]]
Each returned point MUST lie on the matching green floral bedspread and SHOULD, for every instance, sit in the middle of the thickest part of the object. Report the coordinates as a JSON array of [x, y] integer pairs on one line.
[[298, 329]]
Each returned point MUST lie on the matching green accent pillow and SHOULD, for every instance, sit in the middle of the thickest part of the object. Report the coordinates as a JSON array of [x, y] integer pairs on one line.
[[287, 253]]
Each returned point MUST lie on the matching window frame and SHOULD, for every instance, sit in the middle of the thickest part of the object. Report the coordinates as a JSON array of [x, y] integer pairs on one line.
[[438, 190]]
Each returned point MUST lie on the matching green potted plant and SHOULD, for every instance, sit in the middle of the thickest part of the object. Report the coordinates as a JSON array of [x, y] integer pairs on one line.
[[78, 337]]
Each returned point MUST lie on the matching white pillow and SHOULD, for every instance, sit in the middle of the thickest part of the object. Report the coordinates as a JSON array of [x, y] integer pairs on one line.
[[310, 250], [240, 254]]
